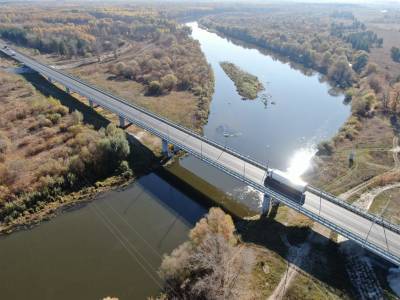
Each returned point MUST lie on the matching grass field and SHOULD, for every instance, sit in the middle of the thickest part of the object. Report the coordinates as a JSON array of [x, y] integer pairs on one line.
[[387, 205]]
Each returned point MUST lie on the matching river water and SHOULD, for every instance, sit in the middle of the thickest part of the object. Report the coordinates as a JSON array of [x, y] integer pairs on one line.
[[114, 245]]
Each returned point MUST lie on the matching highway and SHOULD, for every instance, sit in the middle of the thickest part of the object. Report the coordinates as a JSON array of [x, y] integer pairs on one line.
[[367, 230]]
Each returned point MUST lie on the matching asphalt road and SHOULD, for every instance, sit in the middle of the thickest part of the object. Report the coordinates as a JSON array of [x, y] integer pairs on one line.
[[382, 241]]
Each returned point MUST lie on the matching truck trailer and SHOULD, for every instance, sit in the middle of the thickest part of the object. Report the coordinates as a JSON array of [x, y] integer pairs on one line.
[[292, 188]]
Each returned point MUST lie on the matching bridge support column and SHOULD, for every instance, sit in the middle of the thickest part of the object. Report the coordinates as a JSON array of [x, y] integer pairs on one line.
[[50, 80], [176, 148], [165, 148], [67, 90], [266, 205], [121, 122], [91, 103]]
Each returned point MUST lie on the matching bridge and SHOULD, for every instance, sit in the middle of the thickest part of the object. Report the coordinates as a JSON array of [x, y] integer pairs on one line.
[[369, 231]]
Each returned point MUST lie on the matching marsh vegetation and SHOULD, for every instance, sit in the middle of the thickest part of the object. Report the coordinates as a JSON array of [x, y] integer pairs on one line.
[[247, 85]]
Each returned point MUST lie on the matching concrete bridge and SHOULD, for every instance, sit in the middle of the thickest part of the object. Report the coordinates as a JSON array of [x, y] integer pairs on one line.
[[369, 231]]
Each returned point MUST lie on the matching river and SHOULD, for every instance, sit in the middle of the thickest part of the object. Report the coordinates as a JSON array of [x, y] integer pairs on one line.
[[114, 245]]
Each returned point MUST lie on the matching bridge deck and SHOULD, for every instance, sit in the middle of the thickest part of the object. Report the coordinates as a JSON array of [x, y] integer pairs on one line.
[[377, 237]]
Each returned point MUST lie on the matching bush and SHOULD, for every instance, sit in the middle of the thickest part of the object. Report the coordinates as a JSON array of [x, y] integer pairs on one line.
[[363, 105], [54, 117], [375, 84], [325, 148], [124, 169], [395, 54], [360, 61], [168, 82], [3, 145], [154, 88], [77, 117]]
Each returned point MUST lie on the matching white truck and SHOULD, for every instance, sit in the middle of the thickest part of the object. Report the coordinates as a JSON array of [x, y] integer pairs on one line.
[[293, 188]]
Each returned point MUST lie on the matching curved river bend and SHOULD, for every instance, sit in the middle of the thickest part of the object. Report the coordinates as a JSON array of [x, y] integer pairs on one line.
[[114, 245]]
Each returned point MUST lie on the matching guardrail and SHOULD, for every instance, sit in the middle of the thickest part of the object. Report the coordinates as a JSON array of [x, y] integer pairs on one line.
[[314, 190], [354, 209]]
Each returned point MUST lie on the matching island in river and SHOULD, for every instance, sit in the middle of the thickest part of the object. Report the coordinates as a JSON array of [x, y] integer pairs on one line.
[[247, 85]]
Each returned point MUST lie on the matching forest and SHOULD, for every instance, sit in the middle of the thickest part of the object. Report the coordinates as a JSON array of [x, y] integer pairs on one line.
[[328, 49], [166, 57]]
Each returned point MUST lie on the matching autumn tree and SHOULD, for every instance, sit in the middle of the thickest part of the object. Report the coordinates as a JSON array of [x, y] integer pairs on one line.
[[341, 73], [211, 265], [360, 61]]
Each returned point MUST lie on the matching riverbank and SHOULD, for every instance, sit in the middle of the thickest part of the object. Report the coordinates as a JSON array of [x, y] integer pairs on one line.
[[64, 203]]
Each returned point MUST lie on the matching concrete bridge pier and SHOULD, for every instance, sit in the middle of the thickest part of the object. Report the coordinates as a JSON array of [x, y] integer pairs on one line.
[[50, 80], [266, 204], [121, 122], [91, 103], [67, 90], [176, 148], [165, 148]]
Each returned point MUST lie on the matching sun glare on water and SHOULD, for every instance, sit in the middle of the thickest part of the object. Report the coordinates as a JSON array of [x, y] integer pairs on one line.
[[300, 161]]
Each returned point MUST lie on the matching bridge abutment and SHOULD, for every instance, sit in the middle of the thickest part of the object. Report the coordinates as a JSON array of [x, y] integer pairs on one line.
[[266, 204], [176, 148], [165, 148]]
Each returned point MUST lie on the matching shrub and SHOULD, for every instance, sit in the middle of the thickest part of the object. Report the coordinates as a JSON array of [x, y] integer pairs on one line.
[[395, 54], [77, 117], [54, 117], [371, 68], [154, 88], [124, 169], [3, 145], [168, 82], [325, 148], [362, 105], [375, 84]]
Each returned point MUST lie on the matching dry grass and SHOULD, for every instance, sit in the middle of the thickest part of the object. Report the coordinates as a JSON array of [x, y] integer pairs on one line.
[[387, 205], [372, 147], [381, 56], [180, 107]]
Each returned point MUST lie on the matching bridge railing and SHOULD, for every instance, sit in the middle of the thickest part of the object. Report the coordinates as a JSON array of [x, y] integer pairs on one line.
[[228, 150], [353, 208]]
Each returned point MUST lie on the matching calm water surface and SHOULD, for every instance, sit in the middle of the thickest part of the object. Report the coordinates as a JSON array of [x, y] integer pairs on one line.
[[113, 246], [298, 114]]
